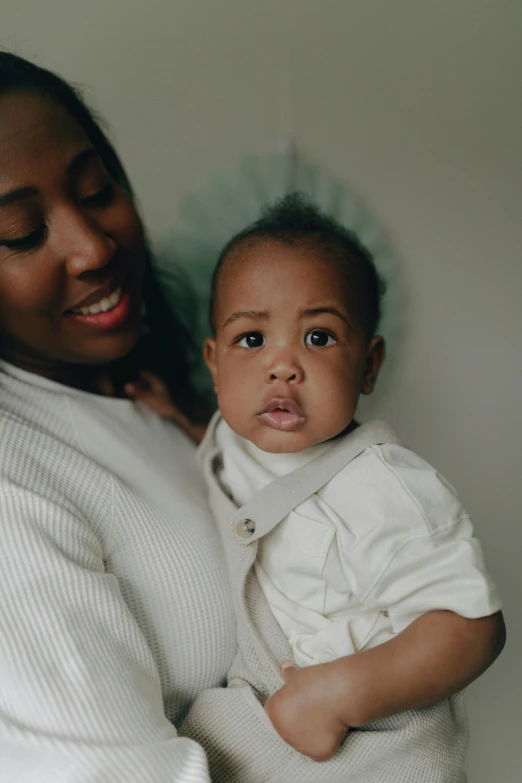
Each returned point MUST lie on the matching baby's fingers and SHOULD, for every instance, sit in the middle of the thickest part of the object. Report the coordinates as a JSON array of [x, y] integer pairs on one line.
[[288, 668]]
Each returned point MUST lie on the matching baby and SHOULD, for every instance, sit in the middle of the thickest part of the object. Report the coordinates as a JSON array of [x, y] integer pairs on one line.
[[363, 605]]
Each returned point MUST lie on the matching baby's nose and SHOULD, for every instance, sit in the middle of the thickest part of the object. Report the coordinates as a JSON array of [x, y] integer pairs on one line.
[[285, 370], [283, 375]]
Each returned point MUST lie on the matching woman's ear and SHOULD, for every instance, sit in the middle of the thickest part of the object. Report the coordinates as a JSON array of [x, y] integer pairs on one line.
[[375, 356], [209, 355]]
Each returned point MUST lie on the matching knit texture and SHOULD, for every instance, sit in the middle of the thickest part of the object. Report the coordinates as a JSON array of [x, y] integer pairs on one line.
[[114, 602], [420, 746]]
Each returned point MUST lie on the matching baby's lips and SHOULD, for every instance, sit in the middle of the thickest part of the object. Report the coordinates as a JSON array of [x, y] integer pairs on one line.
[[283, 403]]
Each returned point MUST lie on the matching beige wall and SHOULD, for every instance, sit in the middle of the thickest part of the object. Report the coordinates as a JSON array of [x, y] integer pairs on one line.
[[417, 105]]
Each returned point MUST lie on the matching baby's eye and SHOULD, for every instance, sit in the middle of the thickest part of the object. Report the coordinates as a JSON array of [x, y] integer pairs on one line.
[[252, 340], [319, 338]]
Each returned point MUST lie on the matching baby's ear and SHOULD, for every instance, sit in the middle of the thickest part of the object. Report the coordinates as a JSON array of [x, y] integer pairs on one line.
[[209, 355], [375, 356]]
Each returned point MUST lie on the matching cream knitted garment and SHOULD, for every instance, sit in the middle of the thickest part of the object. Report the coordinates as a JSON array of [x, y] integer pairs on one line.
[[114, 601]]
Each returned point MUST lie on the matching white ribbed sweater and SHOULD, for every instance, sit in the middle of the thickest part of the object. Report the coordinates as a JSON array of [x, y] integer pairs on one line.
[[114, 605]]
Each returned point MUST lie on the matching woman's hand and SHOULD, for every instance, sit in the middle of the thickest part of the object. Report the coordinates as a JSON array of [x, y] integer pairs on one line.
[[305, 713], [152, 391]]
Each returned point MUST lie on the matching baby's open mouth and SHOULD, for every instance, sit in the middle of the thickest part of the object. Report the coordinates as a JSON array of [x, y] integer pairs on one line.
[[282, 414]]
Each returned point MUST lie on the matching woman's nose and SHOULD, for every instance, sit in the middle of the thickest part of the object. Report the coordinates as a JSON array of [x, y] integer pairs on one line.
[[87, 248]]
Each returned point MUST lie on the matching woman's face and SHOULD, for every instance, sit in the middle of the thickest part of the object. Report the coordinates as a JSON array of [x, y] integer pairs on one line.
[[72, 249]]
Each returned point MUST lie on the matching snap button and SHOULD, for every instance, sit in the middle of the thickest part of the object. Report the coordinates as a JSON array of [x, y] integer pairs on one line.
[[245, 528]]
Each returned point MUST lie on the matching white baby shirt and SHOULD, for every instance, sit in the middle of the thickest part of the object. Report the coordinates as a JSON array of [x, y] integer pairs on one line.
[[385, 541]]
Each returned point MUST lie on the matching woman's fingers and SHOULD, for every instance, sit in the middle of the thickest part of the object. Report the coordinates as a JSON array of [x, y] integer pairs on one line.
[[152, 391]]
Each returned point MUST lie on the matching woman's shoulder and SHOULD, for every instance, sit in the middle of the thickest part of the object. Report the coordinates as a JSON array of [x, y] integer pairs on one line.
[[40, 453], [33, 411], [31, 415]]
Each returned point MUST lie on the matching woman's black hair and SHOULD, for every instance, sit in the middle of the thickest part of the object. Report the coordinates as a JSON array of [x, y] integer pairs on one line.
[[163, 349]]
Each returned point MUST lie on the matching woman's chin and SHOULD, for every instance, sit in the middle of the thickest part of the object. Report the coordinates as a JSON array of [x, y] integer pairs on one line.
[[109, 349]]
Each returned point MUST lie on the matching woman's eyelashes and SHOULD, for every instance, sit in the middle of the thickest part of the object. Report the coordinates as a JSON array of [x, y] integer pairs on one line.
[[102, 198], [32, 240], [316, 338], [26, 242]]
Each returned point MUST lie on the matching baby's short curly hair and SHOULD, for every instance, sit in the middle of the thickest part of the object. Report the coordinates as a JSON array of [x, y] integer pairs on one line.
[[294, 219]]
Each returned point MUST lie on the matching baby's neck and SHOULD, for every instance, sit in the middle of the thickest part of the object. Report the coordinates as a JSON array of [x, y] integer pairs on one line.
[[320, 444]]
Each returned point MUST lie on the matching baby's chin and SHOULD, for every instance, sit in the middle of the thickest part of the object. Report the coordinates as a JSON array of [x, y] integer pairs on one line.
[[277, 442]]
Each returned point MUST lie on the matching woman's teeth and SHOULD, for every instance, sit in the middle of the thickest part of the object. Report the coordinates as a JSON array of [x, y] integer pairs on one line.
[[102, 306]]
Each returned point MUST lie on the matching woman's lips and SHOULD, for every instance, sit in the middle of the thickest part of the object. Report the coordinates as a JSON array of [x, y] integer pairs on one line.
[[110, 319], [282, 414]]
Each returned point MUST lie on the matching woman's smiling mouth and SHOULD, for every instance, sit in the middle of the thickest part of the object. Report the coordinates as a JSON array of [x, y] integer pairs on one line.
[[108, 312], [101, 306]]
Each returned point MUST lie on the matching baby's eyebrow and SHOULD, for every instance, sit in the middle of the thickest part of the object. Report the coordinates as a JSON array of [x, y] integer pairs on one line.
[[255, 315], [330, 310]]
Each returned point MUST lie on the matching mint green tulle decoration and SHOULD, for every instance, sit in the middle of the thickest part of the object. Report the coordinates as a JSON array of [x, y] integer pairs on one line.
[[231, 201]]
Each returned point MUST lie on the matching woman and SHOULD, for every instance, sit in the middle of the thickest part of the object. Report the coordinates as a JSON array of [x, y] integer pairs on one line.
[[113, 599]]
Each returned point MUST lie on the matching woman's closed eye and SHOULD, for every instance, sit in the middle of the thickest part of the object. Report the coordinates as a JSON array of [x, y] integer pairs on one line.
[[320, 338], [102, 198], [251, 340], [25, 242], [33, 239]]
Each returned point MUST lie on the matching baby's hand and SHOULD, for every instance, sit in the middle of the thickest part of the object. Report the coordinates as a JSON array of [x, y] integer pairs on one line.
[[304, 711]]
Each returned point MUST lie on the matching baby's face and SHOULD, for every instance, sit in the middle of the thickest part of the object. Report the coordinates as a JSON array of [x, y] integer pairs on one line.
[[289, 360]]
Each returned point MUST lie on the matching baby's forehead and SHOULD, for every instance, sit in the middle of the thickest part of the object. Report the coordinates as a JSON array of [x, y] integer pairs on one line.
[[253, 260], [285, 278]]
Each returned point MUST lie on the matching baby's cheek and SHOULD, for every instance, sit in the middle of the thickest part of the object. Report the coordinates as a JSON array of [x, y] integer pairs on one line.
[[339, 403], [236, 399]]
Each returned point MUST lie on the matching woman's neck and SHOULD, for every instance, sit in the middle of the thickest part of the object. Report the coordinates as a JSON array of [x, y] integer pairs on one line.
[[89, 378]]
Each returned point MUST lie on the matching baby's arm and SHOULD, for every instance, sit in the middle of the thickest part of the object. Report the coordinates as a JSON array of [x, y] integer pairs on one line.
[[433, 658], [443, 609], [416, 559]]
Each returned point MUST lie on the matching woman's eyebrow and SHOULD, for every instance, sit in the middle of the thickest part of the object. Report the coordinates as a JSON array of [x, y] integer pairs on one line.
[[19, 194], [253, 314], [76, 164], [81, 160]]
